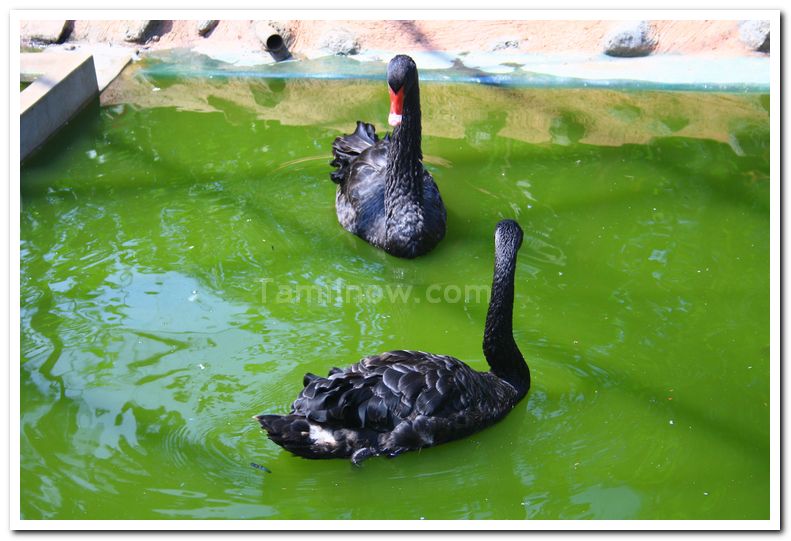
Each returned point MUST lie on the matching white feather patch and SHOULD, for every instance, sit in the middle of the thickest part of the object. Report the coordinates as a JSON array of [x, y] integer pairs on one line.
[[320, 435]]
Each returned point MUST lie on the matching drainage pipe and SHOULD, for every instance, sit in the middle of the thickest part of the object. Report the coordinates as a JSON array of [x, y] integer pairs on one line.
[[276, 46]]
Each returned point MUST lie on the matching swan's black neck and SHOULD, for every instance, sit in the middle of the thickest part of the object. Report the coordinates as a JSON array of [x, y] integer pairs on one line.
[[499, 346], [404, 156], [404, 176]]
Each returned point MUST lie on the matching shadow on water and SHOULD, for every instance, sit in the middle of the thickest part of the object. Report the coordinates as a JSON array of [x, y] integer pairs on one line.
[[738, 181], [84, 124]]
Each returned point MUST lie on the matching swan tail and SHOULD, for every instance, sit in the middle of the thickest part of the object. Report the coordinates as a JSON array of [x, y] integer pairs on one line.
[[346, 148], [302, 437]]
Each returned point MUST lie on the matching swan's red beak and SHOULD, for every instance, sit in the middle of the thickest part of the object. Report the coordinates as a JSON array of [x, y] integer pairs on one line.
[[396, 106]]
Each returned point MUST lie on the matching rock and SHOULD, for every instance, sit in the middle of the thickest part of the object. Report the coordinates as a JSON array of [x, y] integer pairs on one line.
[[505, 43], [205, 27], [137, 31], [340, 42], [630, 39], [46, 31], [755, 34]]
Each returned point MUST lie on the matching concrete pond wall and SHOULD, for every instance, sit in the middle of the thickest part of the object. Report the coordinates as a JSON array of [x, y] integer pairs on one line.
[[100, 49]]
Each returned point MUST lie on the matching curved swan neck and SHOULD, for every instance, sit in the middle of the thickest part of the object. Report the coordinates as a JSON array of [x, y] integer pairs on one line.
[[499, 346]]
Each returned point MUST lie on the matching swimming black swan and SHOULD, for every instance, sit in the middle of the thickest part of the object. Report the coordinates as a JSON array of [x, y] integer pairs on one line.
[[384, 194], [404, 400]]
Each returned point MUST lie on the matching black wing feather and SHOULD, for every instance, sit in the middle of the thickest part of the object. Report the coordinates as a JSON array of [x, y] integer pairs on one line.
[[411, 384], [346, 149], [391, 377], [429, 401], [381, 391]]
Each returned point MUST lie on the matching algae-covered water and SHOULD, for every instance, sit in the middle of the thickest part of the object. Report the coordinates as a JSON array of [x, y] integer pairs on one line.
[[182, 268]]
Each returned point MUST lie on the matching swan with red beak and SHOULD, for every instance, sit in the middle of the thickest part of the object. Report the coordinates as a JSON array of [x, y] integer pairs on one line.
[[385, 195]]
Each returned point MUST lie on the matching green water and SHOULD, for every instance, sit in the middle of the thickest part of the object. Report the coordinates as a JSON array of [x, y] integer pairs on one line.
[[166, 234]]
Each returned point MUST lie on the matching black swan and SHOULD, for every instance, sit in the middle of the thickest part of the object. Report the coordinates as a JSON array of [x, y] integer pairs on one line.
[[384, 194], [404, 400]]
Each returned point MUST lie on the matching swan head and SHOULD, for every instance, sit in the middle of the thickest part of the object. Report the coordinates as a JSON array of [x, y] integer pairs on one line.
[[508, 236], [401, 77]]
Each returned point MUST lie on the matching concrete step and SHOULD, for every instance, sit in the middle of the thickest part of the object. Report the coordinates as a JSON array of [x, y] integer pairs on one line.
[[63, 82]]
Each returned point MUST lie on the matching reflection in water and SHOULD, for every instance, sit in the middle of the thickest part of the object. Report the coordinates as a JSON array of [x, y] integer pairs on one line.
[[458, 111], [149, 228], [567, 128]]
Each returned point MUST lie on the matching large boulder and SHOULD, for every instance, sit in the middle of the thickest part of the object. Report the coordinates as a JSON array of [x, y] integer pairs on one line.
[[755, 34], [340, 42], [630, 39], [45, 31], [139, 31]]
